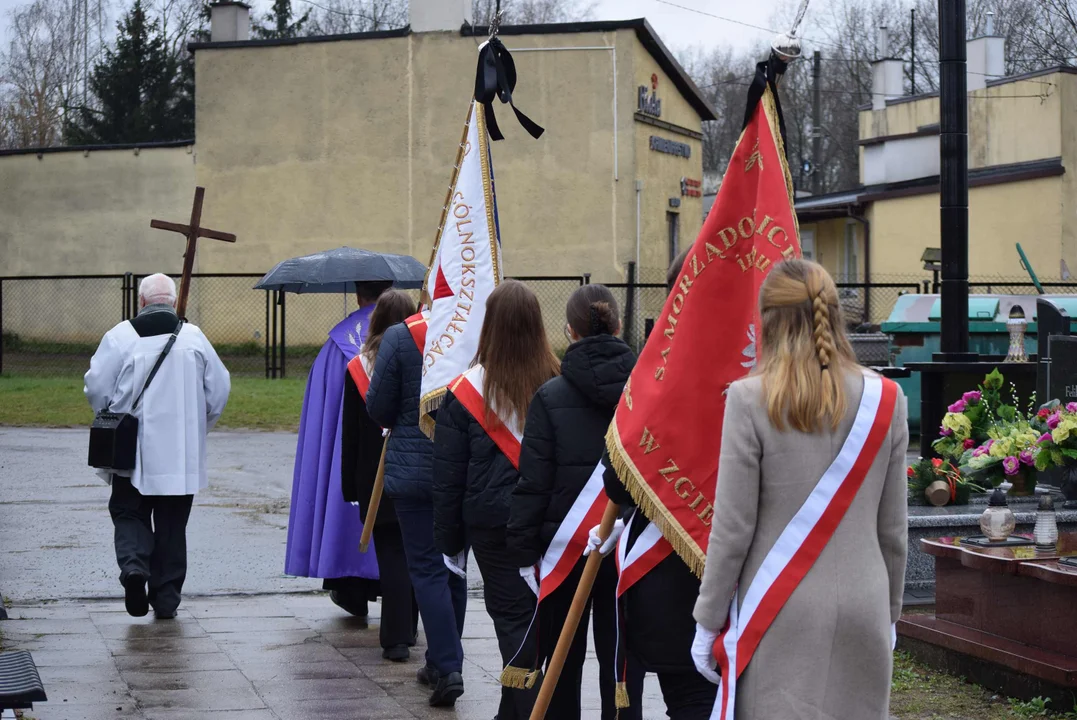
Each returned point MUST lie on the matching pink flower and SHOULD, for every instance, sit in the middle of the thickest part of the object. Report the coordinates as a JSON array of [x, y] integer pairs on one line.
[[979, 452], [973, 397], [1054, 420], [945, 432], [970, 443], [958, 407], [1046, 437], [1010, 465], [1026, 458], [1071, 407]]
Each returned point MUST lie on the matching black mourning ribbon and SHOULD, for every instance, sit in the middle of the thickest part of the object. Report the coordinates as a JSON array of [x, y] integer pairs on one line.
[[496, 77], [766, 75]]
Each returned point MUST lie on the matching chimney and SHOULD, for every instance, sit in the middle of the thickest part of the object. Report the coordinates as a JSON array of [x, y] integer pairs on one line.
[[986, 57], [229, 21], [886, 73], [439, 15]]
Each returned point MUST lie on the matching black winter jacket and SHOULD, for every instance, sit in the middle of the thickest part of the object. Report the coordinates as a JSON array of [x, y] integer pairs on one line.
[[473, 480], [658, 608], [360, 451], [564, 440], [393, 402]]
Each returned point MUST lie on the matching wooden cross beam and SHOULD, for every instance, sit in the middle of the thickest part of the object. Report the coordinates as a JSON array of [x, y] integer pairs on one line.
[[192, 232]]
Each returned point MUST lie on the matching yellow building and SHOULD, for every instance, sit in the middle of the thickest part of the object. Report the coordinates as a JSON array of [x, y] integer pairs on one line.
[[311, 143], [1022, 143]]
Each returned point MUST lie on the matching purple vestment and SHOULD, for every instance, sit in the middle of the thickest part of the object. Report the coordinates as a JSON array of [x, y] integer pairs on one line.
[[323, 530]]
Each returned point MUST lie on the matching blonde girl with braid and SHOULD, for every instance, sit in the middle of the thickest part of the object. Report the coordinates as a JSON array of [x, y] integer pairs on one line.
[[828, 651]]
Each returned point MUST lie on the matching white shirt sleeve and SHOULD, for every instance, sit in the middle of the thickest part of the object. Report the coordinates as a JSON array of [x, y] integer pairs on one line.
[[217, 383], [100, 379]]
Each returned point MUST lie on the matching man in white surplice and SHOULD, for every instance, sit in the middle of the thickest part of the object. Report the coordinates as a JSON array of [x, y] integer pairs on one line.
[[151, 504]]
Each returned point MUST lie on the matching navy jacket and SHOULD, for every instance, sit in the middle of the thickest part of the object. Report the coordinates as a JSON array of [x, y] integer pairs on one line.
[[393, 402]]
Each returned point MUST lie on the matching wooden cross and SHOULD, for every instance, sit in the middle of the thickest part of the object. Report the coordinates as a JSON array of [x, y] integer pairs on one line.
[[193, 231]]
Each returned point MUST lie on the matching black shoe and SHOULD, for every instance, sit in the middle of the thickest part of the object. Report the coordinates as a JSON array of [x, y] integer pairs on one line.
[[135, 600], [447, 690], [164, 615], [427, 675], [357, 608], [396, 653]]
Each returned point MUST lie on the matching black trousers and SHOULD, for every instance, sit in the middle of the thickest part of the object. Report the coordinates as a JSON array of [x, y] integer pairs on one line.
[[511, 606], [688, 695], [567, 698], [151, 540], [399, 611]]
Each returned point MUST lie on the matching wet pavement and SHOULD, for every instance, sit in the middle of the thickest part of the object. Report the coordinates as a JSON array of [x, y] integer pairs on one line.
[[249, 643]]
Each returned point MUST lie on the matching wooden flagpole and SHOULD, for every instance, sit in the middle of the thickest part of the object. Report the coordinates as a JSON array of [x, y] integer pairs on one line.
[[375, 500], [575, 612]]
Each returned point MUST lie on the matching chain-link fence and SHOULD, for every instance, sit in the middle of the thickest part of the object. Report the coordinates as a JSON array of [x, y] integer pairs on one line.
[[50, 326]]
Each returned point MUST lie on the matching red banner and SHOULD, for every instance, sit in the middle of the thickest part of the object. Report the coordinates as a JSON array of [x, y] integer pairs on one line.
[[664, 440]]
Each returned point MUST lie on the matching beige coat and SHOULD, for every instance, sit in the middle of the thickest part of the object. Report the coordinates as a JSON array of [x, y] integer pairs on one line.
[[827, 654]]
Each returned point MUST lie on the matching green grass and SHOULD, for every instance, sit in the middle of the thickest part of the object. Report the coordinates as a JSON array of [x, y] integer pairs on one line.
[[255, 403], [921, 693]]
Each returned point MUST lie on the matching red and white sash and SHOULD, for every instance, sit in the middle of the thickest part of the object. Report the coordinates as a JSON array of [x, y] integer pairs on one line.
[[417, 325], [802, 541], [568, 542], [361, 369], [467, 388]]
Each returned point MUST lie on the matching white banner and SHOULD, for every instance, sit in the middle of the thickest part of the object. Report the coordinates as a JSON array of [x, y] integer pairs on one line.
[[464, 270]]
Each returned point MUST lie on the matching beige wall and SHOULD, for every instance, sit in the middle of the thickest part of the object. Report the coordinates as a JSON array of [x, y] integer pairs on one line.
[[75, 213], [1009, 123], [1027, 212], [297, 160]]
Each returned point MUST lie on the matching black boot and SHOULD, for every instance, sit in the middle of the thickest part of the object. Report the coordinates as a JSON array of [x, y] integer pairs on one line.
[[396, 653], [135, 600], [448, 689], [427, 675]]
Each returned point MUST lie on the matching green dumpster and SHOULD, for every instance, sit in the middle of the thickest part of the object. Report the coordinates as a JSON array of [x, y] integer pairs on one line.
[[913, 327]]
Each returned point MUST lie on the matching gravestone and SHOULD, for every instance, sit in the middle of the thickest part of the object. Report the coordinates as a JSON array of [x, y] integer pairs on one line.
[[1061, 369], [1051, 321]]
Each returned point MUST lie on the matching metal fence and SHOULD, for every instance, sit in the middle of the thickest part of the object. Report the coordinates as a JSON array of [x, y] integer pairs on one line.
[[51, 325]]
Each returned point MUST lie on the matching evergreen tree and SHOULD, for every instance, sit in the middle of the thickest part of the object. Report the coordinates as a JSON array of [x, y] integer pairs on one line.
[[278, 22], [137, 89]]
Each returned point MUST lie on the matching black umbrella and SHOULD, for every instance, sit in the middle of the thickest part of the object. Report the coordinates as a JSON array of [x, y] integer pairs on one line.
[[337, 271]]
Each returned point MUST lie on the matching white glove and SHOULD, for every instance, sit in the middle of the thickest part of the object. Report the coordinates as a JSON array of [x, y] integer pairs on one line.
[[594, 542], [457, 564], [385, 432], [703, 653], [893, 637], [530, 576]]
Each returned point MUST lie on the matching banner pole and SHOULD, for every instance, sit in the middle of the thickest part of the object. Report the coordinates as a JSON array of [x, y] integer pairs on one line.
[[375, 500], [575, 613]]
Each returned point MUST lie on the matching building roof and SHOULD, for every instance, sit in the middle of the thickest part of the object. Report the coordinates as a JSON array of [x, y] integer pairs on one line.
[[646, 34], [995, 82], [841, 204], [96, 148]]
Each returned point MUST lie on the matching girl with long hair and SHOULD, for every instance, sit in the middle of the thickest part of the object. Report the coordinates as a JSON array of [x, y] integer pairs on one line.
[[360, 450], [563, 442], [393, 403], [476, 462], [792, 428]]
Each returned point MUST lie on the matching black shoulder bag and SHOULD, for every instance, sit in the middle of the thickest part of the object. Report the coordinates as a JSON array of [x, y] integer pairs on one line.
[[114, 436]]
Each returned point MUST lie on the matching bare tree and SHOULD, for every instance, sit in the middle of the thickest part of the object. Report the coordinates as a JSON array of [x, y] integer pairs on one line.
[[534, 12], [337, 17]]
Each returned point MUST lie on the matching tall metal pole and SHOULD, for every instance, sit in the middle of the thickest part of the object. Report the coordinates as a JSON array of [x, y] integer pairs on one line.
[[954, 180], [816, 122], [912, 51]]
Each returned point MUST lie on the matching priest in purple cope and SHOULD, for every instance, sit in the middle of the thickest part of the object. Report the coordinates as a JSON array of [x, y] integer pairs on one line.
[[323, 529]]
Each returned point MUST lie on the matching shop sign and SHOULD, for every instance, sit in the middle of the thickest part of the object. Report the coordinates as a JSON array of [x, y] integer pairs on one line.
[[670, 147], [647, 102], [691, 188]]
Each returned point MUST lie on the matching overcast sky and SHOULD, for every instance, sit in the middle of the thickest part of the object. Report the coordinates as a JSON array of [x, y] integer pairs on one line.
[[677, 27]]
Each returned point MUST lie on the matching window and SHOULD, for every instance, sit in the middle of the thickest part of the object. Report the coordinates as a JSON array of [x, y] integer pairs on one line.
[[807, 244], [673, 223]]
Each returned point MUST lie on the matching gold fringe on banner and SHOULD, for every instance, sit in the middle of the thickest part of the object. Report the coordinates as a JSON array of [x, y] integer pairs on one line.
[[652, 506], [519, 678], [428, 404], [621, 700]]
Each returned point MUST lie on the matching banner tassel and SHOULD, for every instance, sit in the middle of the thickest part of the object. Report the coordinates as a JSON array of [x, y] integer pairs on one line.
[[519, 678], [621, 696]]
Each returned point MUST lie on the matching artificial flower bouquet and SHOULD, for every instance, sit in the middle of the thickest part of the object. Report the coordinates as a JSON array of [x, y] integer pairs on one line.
[[925, 473], [1057, 424]]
